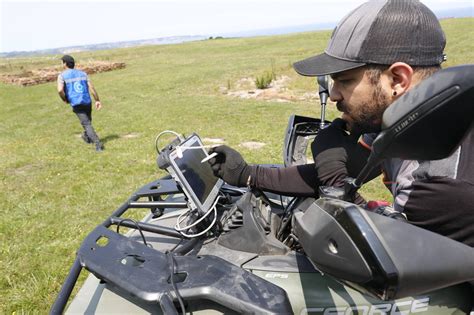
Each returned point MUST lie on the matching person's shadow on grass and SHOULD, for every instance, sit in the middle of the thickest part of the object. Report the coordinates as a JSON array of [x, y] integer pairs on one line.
[[109, 138]]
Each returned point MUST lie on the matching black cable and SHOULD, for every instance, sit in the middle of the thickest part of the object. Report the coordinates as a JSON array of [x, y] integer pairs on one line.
[[285, 210], [290, 204], [177, 244], [281, 202], [230, 212], [138, 228], [170, 253], [178, 296]]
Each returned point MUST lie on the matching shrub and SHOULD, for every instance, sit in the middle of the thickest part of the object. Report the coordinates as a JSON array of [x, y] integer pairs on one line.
[[264, 81]]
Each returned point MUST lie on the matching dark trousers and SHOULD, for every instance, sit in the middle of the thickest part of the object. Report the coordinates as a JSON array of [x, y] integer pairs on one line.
[[84, 113]]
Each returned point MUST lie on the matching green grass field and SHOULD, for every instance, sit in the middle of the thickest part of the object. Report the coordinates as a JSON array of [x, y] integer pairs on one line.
[[54, 188]]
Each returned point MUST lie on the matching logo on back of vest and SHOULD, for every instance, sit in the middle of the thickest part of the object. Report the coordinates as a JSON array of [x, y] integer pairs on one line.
[[78, 87]]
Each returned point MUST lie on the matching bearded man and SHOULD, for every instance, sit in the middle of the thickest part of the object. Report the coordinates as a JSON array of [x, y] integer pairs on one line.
[[376, 53]]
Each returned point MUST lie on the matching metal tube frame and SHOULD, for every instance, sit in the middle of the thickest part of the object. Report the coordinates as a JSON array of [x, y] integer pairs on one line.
[[132, 203]]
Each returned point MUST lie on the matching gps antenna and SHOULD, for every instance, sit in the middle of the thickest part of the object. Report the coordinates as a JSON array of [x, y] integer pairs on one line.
[[323, 82]]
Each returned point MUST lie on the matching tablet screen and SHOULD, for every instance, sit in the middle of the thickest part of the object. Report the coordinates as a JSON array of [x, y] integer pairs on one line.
[[196, 177]]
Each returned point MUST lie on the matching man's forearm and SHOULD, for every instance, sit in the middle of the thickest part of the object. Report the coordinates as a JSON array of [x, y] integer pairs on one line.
[[62, 95], [95, 94], [298, 180]]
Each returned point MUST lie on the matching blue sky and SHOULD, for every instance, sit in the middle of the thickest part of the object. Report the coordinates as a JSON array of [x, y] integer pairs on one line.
[[39, 24]]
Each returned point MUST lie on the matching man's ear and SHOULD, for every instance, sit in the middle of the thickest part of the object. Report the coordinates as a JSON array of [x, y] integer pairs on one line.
[[401, 75]]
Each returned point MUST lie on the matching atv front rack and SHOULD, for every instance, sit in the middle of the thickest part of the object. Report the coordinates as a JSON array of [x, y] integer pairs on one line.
[[130, 268]]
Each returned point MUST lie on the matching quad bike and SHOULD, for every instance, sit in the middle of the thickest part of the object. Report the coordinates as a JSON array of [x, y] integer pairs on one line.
[[267, 253]]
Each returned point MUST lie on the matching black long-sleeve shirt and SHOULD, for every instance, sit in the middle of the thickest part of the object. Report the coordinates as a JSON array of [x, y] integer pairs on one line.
[[435, 195]]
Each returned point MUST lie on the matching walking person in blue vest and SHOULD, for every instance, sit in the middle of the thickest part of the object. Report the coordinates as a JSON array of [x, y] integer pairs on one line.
[[75, 89]]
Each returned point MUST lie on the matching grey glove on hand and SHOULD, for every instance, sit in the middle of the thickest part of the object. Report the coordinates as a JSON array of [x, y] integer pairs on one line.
[[230, 166]]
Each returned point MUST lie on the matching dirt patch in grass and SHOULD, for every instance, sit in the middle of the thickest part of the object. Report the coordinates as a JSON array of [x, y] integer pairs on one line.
[[50, 74], [252, 145], [22, 170], [130, 136], [213, 141], [277, 91]]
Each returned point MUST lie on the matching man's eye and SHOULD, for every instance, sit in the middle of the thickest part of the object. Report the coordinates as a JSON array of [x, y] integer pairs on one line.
[[345, 81]]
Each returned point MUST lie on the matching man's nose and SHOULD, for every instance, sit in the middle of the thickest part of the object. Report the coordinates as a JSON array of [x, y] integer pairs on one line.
[[334, 95]]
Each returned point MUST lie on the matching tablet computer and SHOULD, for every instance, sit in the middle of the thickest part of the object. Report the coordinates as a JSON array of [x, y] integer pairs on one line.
[[196, 179]]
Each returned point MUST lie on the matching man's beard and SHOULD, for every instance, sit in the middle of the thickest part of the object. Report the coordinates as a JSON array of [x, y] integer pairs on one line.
[[368, 117]]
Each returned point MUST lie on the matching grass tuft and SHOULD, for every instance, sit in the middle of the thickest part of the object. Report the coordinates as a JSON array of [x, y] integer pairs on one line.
[[264, 81]]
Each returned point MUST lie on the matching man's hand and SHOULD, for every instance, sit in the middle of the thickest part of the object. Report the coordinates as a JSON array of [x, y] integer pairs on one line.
[[230, 166], [98, 105], [64, 99], [62, 95]]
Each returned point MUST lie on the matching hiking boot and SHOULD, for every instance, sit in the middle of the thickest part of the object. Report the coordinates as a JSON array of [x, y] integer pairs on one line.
[[86, 138], [99, 147]]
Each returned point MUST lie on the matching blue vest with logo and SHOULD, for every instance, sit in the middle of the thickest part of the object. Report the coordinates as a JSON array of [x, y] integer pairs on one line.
[[76, 88]]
